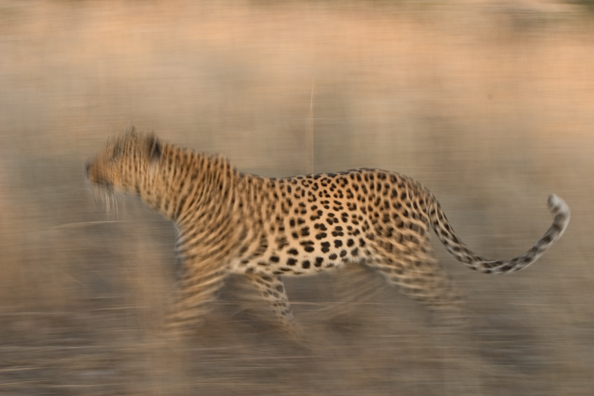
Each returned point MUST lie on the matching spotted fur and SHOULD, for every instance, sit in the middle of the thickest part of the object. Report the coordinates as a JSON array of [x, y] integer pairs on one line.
[[231, 222]]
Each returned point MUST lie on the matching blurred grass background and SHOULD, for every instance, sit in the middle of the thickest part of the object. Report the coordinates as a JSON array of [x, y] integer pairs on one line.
[[489, 104]]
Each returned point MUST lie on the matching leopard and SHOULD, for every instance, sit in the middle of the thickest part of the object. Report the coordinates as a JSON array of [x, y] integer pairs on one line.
[[264, 229]]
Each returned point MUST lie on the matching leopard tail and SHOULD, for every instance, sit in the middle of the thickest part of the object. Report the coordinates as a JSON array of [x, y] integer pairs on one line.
[[461, 252]]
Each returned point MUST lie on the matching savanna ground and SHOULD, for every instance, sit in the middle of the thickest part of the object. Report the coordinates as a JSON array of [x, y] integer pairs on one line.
[[489, 104]]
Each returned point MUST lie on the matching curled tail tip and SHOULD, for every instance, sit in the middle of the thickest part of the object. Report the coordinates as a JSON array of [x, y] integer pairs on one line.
[[558, 205]]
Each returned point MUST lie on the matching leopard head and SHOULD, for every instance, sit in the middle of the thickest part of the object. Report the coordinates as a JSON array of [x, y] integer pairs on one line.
[[124, 164]]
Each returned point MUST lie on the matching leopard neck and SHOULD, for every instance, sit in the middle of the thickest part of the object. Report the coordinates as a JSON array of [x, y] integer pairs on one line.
[[186, 186]]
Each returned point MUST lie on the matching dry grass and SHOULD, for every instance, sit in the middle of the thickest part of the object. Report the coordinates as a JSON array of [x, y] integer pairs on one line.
[[490, 107]]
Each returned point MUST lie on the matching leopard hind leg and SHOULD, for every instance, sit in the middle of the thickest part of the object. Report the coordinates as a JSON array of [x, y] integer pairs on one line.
[[417, 274]]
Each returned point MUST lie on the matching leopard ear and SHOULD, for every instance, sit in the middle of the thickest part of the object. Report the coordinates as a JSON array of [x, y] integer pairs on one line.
[[154, 148], [130, 130]]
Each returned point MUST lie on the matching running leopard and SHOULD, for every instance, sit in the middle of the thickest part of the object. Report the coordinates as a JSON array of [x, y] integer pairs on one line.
[[228, 222]]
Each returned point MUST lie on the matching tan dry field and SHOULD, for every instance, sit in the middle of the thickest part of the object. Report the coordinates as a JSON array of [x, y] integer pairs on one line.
[[490, 105]]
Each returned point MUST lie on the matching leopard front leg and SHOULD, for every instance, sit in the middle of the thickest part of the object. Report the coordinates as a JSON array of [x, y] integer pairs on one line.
[[198, 283], [272, 289]]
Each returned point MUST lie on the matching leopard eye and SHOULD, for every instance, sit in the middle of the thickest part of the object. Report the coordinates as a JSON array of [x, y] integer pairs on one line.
[[117, 152]]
